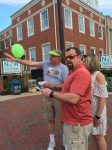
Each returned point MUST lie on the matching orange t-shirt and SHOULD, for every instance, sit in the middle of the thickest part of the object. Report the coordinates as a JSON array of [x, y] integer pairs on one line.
[[78, 82]]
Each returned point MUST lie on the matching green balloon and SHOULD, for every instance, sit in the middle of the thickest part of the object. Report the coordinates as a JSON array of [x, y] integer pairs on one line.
[[17, 50]]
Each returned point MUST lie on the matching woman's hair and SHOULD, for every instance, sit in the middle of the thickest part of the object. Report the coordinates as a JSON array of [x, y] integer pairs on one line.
[[92, 63]]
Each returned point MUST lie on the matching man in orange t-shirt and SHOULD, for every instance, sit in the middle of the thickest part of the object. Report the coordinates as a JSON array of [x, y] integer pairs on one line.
[[76, 103]]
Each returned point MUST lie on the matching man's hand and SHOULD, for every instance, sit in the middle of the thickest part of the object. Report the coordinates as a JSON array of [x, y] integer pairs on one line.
[[48, 85], [46, 92]]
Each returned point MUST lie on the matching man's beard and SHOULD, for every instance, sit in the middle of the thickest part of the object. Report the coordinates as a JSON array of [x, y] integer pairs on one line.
[[70, 66]]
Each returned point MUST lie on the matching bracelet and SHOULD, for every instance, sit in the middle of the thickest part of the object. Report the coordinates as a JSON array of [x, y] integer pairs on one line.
[[97, 117], [51, 94]]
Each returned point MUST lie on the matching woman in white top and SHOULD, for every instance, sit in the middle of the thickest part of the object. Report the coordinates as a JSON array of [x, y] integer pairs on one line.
[[99, 95]]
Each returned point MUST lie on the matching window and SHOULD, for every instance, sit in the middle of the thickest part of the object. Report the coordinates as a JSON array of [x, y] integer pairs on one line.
[[30, 27], [91, 28], [69, 44], [100, 51], [11, 41], [93, 50], [100, 32], [19, 32], [45, 50], [6, 43], [68, 18], [32, 53], [81, 21], [44, 20], [83, 49]]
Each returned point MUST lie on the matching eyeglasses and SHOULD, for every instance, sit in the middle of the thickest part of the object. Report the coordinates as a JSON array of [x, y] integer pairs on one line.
[[70, 57]]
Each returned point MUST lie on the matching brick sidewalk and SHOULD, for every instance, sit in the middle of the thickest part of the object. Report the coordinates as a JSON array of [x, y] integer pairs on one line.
[[23, 126]]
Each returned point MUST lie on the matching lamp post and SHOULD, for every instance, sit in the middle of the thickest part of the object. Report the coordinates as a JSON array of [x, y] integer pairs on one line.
[[61, 32]]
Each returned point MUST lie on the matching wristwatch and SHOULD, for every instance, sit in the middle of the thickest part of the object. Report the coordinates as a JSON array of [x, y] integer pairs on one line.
[[51, 94], [97, 117]]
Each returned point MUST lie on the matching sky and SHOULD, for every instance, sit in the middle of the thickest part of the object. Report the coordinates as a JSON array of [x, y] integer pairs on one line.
[[9, 7]]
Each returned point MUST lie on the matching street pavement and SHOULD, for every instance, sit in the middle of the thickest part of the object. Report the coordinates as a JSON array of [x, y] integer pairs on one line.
[[24, 127]]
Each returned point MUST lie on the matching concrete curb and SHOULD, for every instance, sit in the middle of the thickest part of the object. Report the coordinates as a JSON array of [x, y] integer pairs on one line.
[[9, 97]]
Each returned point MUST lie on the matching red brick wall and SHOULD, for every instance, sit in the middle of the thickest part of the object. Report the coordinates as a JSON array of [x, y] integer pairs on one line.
[[39, 37], [74, 35], [79, 38]]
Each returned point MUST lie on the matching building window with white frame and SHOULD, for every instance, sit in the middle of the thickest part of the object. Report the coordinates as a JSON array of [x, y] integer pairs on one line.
[[32, 53], [6, 43], [101, 51], [92, 28], [69, 44], [68, 18], [83, 49], [30, 27], [100, 31], [81, 22], [92, 50], [11, 41], [44, 20], [19, 32], [45, 51]]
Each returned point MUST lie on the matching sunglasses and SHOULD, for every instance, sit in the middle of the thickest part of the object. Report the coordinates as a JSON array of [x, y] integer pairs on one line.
[[70, 57]]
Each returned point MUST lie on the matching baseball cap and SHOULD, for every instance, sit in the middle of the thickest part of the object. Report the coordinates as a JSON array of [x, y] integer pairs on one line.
[[55, 52]]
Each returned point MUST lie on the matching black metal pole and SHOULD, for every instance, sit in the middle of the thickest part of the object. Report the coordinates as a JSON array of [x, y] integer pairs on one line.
[[61, 32]]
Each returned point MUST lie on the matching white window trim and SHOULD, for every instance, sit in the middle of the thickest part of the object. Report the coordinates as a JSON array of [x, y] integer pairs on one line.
[[83, 24], [28, 28], [84, 49], [41, 20], [93, 48], [93, 35], [10, 42], [5, 44], [69, 27], [71, 43], [101, 31], [17, 33], [48, 43], [30, 50]]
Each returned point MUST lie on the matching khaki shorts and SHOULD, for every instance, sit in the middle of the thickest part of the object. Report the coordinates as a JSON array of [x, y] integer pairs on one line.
[[51, 108], [76, 137]]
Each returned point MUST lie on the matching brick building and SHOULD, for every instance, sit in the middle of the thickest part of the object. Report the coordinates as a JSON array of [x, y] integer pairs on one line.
[[36, 27]]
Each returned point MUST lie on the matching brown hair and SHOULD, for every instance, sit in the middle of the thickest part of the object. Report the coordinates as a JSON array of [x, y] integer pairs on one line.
[[92, 63], [75, 49]]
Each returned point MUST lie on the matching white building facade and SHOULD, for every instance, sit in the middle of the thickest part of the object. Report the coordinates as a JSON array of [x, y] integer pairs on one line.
[[92, 3]]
